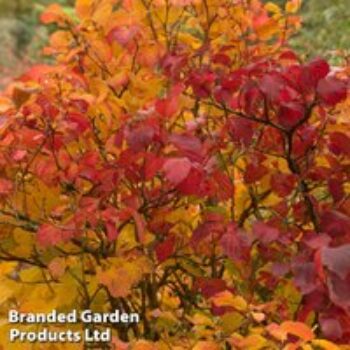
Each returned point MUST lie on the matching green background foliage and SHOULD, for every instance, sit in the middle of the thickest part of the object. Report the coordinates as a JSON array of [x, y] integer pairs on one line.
[[326, 28]]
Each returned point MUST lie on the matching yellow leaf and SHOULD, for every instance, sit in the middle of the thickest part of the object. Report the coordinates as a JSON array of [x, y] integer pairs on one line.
[[272, 7], [190, 40], [5, 293], [325, 344], [123, 275], [231, 321], [103, 11], [252, 342], [201, 319], [226, 298], [25, 242], [42, 297], [307, 347], [192, 267], [293, 6]]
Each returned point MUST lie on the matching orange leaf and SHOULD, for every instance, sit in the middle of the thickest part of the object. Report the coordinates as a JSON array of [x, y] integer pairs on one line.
[[144, 345], [5, 105], [57, 267], [83, 8], [277, 332], [226, 298], [265, 27], [53, 14], [298, 329], [206, 345]]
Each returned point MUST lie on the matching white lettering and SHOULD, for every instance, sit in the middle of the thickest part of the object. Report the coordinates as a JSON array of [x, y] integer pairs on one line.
[[13, 316], [14, 334], [95, 335]]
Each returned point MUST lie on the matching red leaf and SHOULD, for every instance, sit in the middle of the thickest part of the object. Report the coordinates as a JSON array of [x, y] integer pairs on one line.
[[339, 143], [48, 108], [167, 107], [254, 172], [80, 104], [19, 155], [78, 121], [221, 59], [222, 95], [139, 138], [37, 72], [192, 184], [290, 114], [318, 68], [233, 82], [335, 223], [112, 232], [288, 55], [165, 249], [319, 266], [6, 186], [177, 169], [49, 235], [173, 64], [339, 290], [271, 85], [241, 131], [250, 98], [283, 184], [306, 78], [332, 91], [190, 145], [208, 228], [312, 302], [224, 187], [336, 189], [153, 165], [210, 286], [202, 83], [265, 233], [331, 328], [337, 260], [122, 34], [305, 277], [236, 244], [317, 240]]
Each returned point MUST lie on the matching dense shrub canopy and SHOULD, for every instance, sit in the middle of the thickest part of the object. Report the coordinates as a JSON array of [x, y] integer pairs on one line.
[[179, 161]]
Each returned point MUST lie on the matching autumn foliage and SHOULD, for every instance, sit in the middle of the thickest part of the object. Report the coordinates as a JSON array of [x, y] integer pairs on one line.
[[180, 161]]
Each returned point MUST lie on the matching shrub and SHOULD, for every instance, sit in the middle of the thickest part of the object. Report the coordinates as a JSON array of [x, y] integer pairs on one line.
[[181, 162]]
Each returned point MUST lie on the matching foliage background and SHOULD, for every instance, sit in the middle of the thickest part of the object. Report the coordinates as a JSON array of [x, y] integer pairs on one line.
[[326, 30]]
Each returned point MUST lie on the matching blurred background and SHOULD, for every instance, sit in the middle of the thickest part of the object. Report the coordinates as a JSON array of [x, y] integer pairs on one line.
[[22, 36], [326, 31]]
